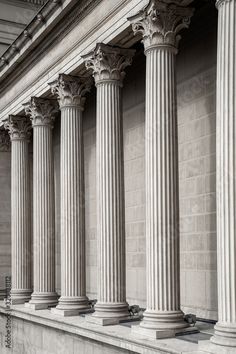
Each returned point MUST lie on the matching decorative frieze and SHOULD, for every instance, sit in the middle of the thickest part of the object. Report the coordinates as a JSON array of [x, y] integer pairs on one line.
[[161, 21]]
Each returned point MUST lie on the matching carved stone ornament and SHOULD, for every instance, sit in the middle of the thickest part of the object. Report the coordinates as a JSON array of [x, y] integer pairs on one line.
[[161, 21], [221, 2], [42, 111], [19, 127], [108, 63], [71, 90], [4, 141]]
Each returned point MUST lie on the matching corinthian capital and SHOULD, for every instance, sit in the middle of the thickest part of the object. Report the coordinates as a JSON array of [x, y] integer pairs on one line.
[[108, 63], [221, 2], [4, 140], [19, 128], [42, 111], [161, 21], [71, 90]]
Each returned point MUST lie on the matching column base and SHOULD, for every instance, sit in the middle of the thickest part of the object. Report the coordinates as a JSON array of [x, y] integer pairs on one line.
[[162, 324], [20, 296], [225, 335], [109, 314], [160, 334], [72, 306], [42, 301]]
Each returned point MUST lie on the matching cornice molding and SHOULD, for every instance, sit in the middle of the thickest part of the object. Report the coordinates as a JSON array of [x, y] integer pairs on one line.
[[28, 38], [23, 3]]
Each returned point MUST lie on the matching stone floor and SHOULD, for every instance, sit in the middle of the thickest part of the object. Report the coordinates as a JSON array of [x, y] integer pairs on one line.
[[117, 337]]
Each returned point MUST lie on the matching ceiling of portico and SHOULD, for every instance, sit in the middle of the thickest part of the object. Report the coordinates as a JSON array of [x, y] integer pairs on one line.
[[14, 17]]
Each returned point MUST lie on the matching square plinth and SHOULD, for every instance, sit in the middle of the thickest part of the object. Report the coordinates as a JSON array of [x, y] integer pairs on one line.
[[39, 306], [161, 334], [105, 321], [19, 301], [70, 312]]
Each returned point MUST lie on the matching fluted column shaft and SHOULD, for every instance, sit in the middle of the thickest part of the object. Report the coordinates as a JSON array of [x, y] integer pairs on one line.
[[110, 195], [159, 25], [162, 198], [108, 65], [44, 294], [19, 130], [43, 211], [70, 91], [72, 205], [225, 330]]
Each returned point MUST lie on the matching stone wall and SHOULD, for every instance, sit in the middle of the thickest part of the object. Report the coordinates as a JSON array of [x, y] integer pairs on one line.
[[196, 74]]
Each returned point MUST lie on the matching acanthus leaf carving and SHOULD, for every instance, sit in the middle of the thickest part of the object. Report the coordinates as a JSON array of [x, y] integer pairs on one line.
[[71, 90], [42, 111], [19, 127], [161, 21], [108, 63]]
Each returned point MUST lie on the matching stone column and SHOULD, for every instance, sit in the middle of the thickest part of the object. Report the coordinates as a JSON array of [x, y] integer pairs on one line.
[[19, 130], [42, 113], [159, 23], [225, 329], [70, 91], [108, 65]]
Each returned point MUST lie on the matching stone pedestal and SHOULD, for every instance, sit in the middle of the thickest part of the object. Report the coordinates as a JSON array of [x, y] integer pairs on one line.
[[225, 329], [19, 131], [108, 65], [42, 113], [70, 91], [159, 25]]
